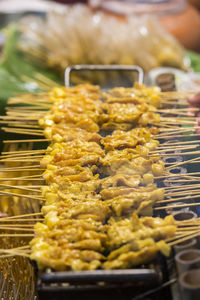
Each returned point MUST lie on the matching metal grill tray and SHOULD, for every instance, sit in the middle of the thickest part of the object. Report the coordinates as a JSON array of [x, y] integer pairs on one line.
[[97, 284], [110, 276]]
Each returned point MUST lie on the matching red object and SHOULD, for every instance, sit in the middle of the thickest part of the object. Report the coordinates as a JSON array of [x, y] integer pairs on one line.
[[185, 26], [70, 1]]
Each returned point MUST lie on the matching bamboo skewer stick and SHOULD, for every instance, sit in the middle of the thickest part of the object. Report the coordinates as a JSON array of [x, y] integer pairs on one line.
[[26, 141], [189, 228], [175, 154], [22, 153], [177, 206], [37, 104], [20, 170], [16, 235], [18, 225], [193, 178], [13, 253], [178, 199], [180, 233], [21, 158], [20, 216], [31, 186], [21, 196], [161, 148], [7, 186], [192, 162], [196, 180], [197, 191], [174, 149], [23, 220], [177, 175], [172, 112], [178, 236], [182, 163], [177, 121], [179, 143], [23, 131], [20, 247], [21, 179], [176, 136], [181, 240], [20, 125], [181, 187], [16, 228], [190, 222]]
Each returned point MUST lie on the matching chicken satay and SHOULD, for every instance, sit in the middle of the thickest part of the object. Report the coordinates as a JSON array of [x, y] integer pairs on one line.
[[90, 91], [112, 192], [118, 163], [130, 139], [121, 180], [137, 241], [72, 153], [136, 95], [140, 202], [64, 133]]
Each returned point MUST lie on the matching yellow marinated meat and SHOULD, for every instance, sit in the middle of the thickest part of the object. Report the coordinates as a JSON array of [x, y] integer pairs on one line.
[[123, 113], [138, 165], [74, 108], [98, 185], [77, 208], [88, 90], [136, 95], [112, 192], [126, 204], [59, 175], [130, 139], [137, 244], [72, 153], [134, 115], [64, 133], [63, 248], [83, 191], [121, 180], [130, 259], [110, 126], [128, 229]]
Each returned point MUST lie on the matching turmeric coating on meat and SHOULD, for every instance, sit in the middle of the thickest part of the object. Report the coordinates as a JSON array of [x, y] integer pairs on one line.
[[130, 163], [118, 115], [136, 241], [136, 95], [130, 139], [100, 180], [82, 244]]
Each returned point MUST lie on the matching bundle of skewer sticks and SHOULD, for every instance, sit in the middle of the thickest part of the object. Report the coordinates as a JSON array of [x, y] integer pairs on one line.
[[22, 175]]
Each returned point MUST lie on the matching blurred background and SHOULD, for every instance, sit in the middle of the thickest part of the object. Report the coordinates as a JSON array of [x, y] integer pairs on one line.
[[40, 39]]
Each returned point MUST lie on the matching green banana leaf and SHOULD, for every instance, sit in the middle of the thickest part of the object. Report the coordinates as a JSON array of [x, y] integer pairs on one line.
[[16, 74], [194, 59]]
